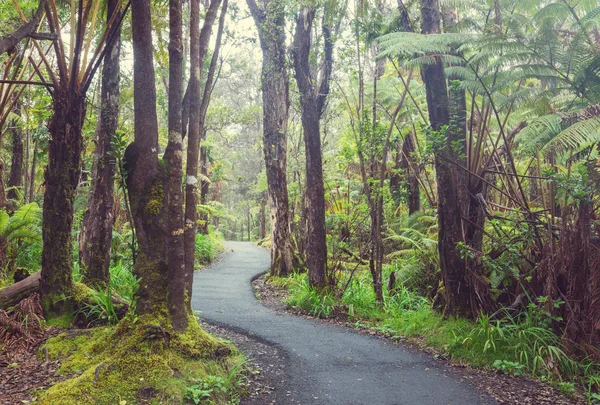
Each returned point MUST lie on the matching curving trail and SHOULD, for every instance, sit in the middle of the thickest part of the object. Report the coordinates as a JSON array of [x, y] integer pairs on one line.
[[326, 364]]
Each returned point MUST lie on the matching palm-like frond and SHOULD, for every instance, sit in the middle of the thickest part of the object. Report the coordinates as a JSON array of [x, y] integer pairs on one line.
[[23, 225], [579, 135]]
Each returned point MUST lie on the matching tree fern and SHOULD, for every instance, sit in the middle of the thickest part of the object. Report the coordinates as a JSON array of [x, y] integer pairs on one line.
[[24, 225]]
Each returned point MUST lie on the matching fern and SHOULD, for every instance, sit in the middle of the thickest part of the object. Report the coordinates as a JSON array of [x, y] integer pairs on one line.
[[580, 135], [23, 226]]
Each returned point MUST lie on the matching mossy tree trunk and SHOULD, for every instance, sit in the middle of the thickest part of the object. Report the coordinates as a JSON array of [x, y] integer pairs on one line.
[[270, 21], [178, 301], [146, 176], [96, 231], [61, 178]]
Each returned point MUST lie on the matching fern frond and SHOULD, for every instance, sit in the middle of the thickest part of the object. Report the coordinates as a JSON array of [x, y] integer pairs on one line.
[[579, 135]]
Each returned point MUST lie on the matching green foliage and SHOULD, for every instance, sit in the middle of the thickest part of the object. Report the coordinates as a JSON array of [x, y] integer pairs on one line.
[[304, 296], [208, 247], [509, 367], [23, 234], [202, 389], [100, 309]]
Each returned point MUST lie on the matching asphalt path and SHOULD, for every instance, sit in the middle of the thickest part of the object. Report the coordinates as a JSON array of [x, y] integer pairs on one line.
[[325, 363]]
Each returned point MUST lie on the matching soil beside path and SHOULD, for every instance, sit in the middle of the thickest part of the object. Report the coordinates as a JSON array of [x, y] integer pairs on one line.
[[325, 364]]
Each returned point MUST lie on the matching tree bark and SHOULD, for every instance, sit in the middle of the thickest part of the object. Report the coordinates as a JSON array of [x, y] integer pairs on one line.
[[457, 290], [178, 301], [198, 48], [408, 165], [61, 179], [208, 88], [270, 22], [146, 177], [263, 220], [14, 293], [312, 101], [32, 174], [15, 179], [96, 230], [9, 42]]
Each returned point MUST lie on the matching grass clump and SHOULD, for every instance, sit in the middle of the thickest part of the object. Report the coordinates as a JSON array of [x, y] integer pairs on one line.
[[139, 361]]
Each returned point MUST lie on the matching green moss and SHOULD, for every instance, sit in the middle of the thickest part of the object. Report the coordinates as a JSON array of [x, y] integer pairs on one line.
[[61, 321], [155, 198], [140, 362]]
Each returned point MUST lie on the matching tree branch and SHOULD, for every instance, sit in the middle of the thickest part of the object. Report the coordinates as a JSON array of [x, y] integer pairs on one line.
[[10, 41]]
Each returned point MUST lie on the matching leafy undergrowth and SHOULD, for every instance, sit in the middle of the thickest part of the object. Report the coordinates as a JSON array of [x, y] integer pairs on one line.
[[518, 344], [208, 247], [139, 361]]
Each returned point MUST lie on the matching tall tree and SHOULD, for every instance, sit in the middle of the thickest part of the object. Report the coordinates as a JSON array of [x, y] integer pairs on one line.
[[211, 76], [448, 176], [313, 94], [269, 17], [70, 84], [145, 175], [15, 179], [174, 158], [96, 230], [199, 40]]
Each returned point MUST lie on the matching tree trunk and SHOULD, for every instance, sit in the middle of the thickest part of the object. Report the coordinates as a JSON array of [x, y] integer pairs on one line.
[[198, 48], [61, 178], [146, 177], [15, 180], [33, 168], [178, 301], [312, 101], [13, 294], [249, 224], [96, 230], [457, 290], [263, 220], [270, 22], [408, 165]]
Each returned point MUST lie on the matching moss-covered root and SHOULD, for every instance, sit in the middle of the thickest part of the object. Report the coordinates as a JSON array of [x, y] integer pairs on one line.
[[141, 362]]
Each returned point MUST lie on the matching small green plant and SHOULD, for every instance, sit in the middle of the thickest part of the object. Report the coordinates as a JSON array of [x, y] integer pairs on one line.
[[101, 308], [203, 389], [509, 367]]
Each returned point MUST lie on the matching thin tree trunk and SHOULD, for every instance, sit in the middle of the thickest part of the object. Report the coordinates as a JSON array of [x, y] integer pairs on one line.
[[178, 301], [208, 88], [198, 48], [146, 177], [263, 220], [96, 230], [33, 167], [270, 21], [15, 180], [408, 166]]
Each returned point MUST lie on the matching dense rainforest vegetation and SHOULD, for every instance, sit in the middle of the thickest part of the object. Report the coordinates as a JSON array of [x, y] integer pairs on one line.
[[423, 168]]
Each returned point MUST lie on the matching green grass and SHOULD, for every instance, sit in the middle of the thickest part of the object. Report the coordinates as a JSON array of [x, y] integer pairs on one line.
[[516, 344]]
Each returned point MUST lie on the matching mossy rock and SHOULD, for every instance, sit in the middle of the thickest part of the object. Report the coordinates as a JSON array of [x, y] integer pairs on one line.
[[140, 362]]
